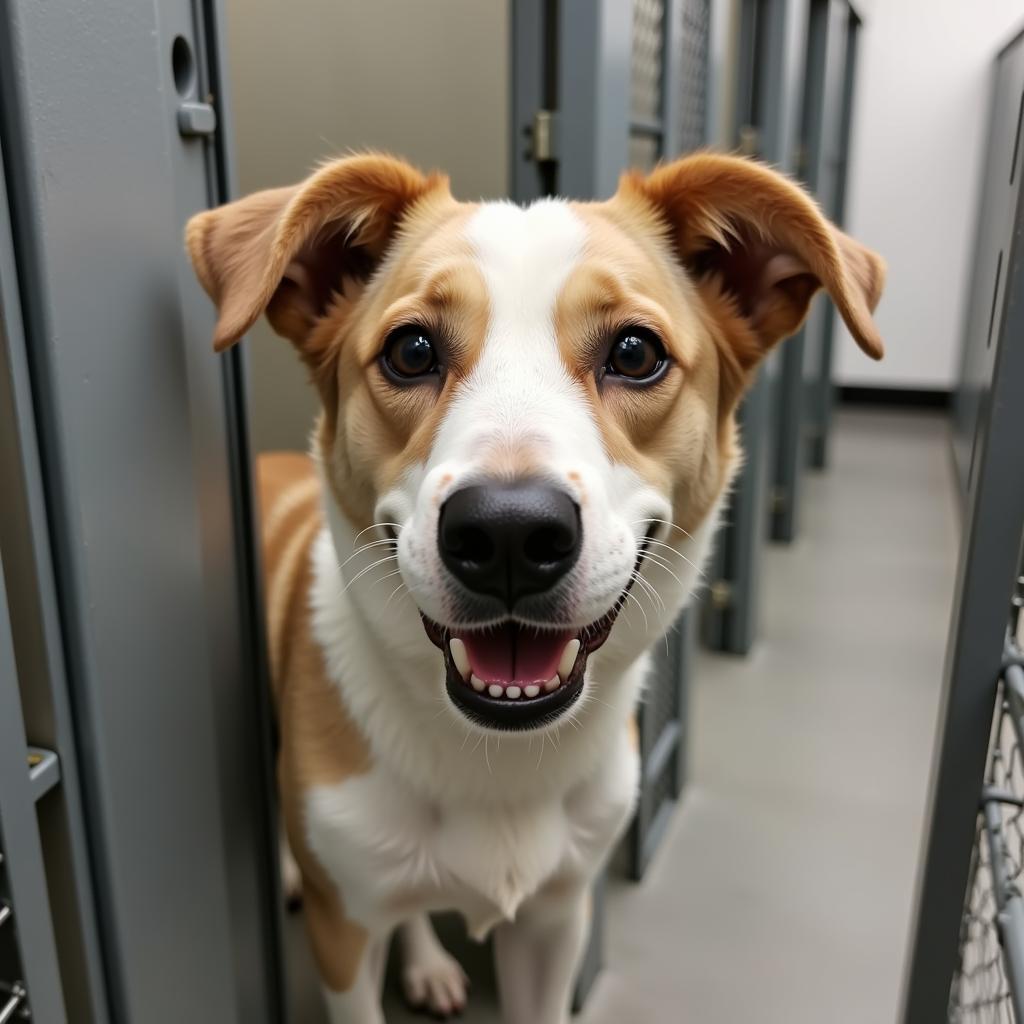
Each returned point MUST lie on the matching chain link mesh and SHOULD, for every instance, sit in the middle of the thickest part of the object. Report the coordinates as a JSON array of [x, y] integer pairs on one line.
[[648, 59], [693, 75], [981, 992]]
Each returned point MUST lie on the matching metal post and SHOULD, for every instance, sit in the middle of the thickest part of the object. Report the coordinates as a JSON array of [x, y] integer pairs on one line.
[[769, 90], [595, 54]]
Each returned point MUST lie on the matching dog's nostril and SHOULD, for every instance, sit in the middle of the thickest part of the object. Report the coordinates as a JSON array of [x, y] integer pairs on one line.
[[548, 544], [472, 544]]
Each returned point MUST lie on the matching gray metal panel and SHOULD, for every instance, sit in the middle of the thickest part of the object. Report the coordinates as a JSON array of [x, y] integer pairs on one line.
[[989, 561], [38, 645], [821, 398], [528, 73], [19, 842], [822, 120], [999, 186], [595, 54], [131, 405]]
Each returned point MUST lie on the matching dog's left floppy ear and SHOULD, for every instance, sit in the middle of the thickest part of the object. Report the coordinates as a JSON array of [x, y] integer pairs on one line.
[[758, 242], [286, 251]]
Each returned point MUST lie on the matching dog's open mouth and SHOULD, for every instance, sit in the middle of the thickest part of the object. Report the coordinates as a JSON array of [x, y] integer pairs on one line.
[[515, 676]]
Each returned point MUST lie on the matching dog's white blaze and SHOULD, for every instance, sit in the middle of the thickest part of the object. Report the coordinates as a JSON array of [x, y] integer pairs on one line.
[[520, 395]]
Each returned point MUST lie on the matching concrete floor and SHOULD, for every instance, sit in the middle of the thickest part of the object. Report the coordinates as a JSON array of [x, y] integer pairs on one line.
[[782, 891]]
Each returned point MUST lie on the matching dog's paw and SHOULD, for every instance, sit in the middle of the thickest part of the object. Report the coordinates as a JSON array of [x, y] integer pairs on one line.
[[436, 984]]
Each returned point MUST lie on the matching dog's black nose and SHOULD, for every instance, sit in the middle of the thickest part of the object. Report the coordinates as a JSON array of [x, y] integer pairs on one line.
[[509, 540]]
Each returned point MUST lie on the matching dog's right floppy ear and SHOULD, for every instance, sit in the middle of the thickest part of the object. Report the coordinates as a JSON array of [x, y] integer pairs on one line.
[[285, 251]]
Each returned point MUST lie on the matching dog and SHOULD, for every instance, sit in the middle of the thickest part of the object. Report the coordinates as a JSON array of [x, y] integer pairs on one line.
[[526, 434]]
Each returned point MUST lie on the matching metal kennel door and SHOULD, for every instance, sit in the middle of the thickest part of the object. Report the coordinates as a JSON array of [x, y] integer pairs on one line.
[[816, 163], [966, 955], [769, 86], [126, 531]]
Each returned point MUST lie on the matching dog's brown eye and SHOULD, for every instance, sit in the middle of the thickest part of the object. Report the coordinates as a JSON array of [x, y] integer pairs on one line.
[[636, 354], [409, 352]]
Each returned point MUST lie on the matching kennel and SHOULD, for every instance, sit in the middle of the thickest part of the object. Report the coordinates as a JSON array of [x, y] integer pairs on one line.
[[966, 955], [794, 77], [138, 850]]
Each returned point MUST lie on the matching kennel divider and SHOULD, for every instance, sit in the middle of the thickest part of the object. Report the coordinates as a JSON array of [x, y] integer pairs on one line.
[[964, 958]]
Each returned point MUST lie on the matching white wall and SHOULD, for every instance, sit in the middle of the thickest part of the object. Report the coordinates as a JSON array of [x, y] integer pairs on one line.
[[312, 78], [920, 121]]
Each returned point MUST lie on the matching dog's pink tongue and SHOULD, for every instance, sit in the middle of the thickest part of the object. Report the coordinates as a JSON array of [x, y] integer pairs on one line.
[[512, 653]]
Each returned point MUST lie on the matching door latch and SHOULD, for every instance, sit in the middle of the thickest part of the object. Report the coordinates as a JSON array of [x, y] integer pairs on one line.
[[545, 136], [196, 119]]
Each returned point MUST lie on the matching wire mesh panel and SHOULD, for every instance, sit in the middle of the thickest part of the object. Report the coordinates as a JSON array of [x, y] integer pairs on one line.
[[645, 88], [647, 84], [693, 74], [986, 984]]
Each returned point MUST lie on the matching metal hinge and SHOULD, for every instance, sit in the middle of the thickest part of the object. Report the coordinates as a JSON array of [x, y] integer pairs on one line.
[[544, 146], [721, 595]]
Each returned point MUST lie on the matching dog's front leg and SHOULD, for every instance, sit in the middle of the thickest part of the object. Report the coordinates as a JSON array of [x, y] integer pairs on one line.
[[361, 1002], [538, 954]]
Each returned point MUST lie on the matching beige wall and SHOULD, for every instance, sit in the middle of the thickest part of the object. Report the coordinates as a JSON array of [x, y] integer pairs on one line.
[[425, 79]]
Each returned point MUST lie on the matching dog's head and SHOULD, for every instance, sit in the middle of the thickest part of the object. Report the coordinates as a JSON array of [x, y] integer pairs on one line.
[[531, 410]]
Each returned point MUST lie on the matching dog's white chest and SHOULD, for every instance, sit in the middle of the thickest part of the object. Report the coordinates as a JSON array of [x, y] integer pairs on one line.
[[392, 853]]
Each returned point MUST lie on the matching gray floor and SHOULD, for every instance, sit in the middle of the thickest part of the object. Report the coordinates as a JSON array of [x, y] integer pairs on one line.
[[783, 889]]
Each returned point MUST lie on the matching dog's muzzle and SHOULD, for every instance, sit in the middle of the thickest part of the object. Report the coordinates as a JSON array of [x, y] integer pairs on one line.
[[510, 547]]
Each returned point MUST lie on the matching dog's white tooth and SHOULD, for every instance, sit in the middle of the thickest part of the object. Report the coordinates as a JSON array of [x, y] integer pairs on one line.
[[568, 659], [514, 692], [460, 657], [532, 690], [552, 684], [477, 683], [495, 690]]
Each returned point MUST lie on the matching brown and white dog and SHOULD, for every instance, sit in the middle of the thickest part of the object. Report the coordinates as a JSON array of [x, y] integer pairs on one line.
[[526, 434]]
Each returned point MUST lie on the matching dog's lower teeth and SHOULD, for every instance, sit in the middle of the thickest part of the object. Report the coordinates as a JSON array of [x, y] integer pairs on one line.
[[531, 690], [568, 659], [552, 684], [459, 656], [513, 692], [495, 690], [477, 683]]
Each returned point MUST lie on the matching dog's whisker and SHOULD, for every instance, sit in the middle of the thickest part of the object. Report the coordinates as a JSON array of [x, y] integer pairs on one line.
[[663, 563], [647, 626], [651, 592], [675, 551], [364, 571], [376, 526], [663, 522], [392, 595], [366, 547], [386, 576]]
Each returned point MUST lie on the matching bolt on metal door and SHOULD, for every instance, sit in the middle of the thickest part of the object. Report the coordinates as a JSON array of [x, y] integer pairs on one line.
[[109, 116]]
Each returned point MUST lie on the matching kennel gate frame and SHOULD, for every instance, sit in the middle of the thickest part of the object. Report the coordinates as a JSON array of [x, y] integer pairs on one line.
[[92, 104], [989, 565]]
